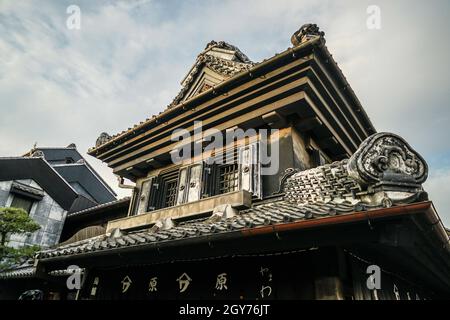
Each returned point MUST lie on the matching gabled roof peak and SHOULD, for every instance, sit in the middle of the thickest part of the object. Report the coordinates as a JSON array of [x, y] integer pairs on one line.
[[212, 47], [224, 59]]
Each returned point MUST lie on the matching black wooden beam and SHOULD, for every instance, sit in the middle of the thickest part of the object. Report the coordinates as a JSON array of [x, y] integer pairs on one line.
[[275, 120], [308, 124], [328, 142]]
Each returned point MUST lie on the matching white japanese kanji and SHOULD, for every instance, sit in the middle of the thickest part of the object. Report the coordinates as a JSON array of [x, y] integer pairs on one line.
[[266, 272], [184, 280], [126, 283], [265, 291], [152, 285], [221, 282]]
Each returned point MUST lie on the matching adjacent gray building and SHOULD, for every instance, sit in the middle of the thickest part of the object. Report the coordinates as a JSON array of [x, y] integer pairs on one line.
[[49, 183]]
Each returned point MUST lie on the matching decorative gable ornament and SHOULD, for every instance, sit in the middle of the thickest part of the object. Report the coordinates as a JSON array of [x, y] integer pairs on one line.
[[305, 33], [384, 171], [215, 64], [387, 157], [102, 139], [38, 154]]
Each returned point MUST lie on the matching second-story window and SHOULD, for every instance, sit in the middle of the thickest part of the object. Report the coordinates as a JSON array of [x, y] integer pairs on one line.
[[238, 170], [169, 184], [158, 192], [170, 193], [228, 179]]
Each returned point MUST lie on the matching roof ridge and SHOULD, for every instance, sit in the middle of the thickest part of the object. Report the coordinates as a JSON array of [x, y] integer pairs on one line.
[[98, 206], [207, 59], [225, 45]]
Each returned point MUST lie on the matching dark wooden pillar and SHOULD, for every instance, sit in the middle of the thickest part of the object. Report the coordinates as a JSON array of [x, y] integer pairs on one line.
[[329, 288], [327, 280]]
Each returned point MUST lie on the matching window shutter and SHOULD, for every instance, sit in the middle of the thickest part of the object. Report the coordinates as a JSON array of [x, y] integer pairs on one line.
[[154, 201], [250, 177], [144, 196], [182, 185], [135, 202], [190, 185], [208, 179], [195, 182], [256, 174]]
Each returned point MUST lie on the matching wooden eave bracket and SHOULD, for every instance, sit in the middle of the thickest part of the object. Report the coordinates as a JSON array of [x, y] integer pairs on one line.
[[275, 120]]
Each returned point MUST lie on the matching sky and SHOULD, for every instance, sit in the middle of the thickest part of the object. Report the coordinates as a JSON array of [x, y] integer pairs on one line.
[[125, 63]]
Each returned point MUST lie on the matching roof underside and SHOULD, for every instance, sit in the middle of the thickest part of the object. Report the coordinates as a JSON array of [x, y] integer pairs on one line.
[[234, 71], [43, 174], [80, 173]]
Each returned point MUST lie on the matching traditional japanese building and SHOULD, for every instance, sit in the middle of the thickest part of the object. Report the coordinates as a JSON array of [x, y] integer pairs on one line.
[[305, 201]]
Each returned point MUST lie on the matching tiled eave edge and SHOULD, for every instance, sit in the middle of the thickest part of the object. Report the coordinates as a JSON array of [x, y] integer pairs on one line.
[[99, 207], [29, 272], [412, 209]]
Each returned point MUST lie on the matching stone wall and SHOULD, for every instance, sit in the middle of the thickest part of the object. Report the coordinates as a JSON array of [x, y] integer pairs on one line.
[[47, 212], [5, 186]]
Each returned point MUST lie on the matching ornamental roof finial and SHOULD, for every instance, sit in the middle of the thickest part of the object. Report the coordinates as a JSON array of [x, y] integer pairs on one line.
[[305, 33]]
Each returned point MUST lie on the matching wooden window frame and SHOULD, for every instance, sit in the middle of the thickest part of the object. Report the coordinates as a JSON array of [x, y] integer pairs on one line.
[[24, 198], [206, 180]]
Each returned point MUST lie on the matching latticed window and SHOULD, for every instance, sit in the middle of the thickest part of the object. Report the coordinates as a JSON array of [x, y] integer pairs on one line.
[[228, 178], [170, 193], [233, 170], [169, 183]]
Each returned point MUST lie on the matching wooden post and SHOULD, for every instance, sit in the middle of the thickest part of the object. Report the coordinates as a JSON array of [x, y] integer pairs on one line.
[[329, 288], [327, 282]]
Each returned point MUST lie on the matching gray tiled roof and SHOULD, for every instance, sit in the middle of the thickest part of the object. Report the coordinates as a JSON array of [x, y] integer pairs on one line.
[[20, 272], [97, 207], [324, 183], [65, 272], [30, 272], [271, 213], [383, 172], [225, 67], [28, 189], [225, 45]]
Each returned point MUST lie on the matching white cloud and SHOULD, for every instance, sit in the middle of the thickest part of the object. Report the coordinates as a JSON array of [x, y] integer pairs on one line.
[[59, 86]]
